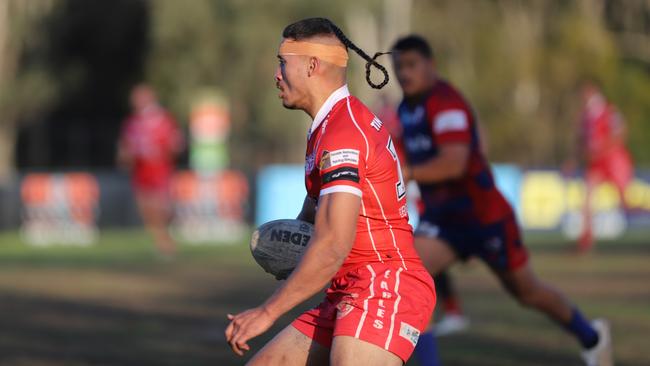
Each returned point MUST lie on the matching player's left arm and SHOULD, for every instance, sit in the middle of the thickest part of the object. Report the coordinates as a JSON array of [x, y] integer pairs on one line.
[[450, 163], [451, 130], [335, 229]]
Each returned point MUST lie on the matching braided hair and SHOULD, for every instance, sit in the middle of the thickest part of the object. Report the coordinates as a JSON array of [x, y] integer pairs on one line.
[[310, 27]]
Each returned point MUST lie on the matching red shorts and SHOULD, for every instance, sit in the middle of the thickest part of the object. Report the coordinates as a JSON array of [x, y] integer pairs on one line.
[[154, 179], [616, 167], [379, 303]]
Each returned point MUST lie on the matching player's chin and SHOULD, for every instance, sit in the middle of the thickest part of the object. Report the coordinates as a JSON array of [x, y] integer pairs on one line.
[[288, 105]]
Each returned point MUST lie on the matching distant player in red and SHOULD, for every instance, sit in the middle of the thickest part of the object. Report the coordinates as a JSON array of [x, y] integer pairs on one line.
[[380, 296], [602, 142], [465, 215], [148, 146]]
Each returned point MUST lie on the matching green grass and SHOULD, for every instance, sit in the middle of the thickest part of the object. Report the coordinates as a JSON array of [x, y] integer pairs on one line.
[[115, 304]]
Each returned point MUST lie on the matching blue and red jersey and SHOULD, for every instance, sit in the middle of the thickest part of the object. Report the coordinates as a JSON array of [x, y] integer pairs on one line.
[[442, 116]]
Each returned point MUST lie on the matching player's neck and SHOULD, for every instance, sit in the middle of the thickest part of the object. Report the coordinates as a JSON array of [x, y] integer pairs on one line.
[[319, 97], [422, 95]]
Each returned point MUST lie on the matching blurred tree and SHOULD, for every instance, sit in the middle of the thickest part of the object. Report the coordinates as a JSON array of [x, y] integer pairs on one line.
[[92, 53], [26, 88], [519, 62]]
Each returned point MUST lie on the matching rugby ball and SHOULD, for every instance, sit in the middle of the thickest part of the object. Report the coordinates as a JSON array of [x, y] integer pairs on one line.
[[278, 245]]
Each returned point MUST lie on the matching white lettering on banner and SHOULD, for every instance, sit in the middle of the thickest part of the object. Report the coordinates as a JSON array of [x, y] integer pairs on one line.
[[451, 120]]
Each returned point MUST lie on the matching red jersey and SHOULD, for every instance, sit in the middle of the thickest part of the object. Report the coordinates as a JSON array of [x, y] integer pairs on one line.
[[349, 150], [152, 138], [601, 123]]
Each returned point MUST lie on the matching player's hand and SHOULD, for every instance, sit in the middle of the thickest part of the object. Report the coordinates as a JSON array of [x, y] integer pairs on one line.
[[247, 325]]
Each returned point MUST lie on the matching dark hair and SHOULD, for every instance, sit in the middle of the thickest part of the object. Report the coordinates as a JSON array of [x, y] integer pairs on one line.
[[415, 43], [311, 27]]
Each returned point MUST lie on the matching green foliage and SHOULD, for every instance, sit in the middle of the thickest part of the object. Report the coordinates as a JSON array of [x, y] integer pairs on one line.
[[520, 63], [25, 82]]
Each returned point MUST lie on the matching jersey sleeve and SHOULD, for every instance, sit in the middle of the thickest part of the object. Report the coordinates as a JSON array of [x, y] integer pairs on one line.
[[342, 161], [450, 122]]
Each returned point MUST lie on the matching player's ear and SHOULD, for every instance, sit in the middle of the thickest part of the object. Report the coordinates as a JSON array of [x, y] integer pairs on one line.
[[312, 66]]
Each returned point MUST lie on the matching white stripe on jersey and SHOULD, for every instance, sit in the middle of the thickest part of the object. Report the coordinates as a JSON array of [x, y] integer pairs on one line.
[[365, 302], [359, 128], [372, 240], [395, 308], [347, 189], [390, 227]]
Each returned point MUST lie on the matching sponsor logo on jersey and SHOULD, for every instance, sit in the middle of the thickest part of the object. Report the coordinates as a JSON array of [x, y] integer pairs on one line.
[[334, 158], [343, 173], [418, 143], [345, 307], [409, 332], [411, 118]]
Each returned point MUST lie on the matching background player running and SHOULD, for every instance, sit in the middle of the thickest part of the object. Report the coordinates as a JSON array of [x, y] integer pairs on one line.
[[148, 146], [380, 296], [602, 135], [453, 318], [465, 214]]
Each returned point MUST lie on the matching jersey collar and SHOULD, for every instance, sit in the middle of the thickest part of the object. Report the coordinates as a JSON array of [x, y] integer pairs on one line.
[[334, 98]]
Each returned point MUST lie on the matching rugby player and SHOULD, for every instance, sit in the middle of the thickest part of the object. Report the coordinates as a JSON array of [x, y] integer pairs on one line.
[[453, 319], [380, 296], [602, 143], [465, 215], [148, 146]]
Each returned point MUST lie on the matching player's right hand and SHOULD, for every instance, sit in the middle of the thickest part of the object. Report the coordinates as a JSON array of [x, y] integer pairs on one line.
[[246, 325]]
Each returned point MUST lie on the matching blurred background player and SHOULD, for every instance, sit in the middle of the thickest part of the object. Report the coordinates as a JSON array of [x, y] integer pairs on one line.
[[148, 146], [453, 318], [465, 215], [602, 147]]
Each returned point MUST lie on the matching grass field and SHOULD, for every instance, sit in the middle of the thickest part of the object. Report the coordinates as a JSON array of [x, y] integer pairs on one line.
[[115, 304]]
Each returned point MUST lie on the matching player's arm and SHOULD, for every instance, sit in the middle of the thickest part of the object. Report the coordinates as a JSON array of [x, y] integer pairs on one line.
[[308, 211], [450, 128], [335, 229], [334, 232], [124, 158], [450, 163]]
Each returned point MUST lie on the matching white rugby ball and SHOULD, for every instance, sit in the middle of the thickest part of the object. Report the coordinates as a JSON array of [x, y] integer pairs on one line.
[[278, 245]]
